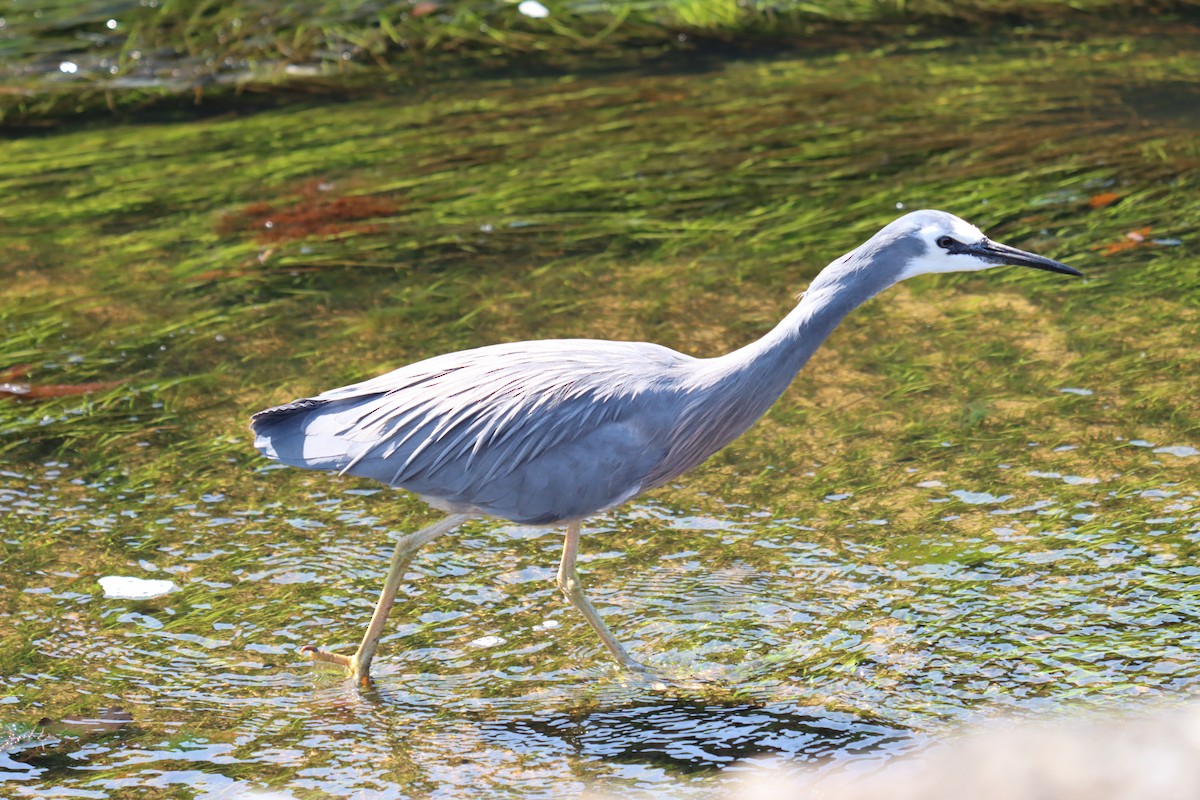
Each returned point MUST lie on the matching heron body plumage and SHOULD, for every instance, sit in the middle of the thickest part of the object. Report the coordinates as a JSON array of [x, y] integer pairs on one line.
[[552, 431], [535, 432], [459, 429]]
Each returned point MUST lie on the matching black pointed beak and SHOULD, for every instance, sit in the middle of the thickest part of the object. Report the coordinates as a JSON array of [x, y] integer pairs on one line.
[[998, 253]]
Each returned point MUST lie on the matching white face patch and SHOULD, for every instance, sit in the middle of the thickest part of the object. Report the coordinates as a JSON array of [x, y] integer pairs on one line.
[[937, 258]]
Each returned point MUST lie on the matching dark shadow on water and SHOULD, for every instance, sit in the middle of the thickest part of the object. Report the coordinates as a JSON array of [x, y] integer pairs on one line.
[[693, 736], [1165, 101]]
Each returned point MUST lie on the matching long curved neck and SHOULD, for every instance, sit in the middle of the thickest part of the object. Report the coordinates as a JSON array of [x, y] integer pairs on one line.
[[765, 367], [788, 346], [724, 396], [716, 400]]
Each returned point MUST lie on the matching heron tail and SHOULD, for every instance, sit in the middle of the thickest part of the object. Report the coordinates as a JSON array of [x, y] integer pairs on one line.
[[280, 434]]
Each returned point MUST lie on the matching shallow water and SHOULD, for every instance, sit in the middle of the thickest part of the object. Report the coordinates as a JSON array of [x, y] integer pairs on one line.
[[980, 497], [826, 647]]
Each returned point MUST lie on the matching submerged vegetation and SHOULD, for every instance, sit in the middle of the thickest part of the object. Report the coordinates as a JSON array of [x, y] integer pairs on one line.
[[981, 492]]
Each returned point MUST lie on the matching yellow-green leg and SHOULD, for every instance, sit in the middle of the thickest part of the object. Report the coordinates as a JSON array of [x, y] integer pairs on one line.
[[568, 582], [359, 664]]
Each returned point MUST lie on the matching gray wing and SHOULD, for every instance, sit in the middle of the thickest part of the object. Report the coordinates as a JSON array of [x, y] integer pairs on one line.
[[535, 432]]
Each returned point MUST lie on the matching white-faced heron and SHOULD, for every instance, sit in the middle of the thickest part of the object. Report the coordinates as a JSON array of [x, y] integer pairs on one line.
[[552, 432]]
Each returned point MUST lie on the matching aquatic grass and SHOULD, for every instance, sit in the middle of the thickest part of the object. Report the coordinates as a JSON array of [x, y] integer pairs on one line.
[[137, 370]]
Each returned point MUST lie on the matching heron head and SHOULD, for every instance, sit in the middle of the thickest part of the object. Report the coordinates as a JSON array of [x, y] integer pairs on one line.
[[949, 244]]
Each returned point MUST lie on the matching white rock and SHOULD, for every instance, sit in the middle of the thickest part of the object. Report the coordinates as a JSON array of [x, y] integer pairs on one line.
[[121, 587], [532, 8], [487, 641]]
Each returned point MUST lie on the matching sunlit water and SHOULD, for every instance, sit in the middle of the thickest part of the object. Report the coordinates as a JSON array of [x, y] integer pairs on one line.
[[826, 648]]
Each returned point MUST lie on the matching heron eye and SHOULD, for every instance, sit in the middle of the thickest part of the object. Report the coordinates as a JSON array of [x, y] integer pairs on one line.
[[945, 242]]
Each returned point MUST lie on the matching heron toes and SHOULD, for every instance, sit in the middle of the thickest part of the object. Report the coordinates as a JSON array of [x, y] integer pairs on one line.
[[350, 663], [656, 679], [314, 653]]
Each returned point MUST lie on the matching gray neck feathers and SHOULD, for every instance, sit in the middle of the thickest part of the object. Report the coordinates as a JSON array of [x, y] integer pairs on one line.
[[726, 395], [772, 361]]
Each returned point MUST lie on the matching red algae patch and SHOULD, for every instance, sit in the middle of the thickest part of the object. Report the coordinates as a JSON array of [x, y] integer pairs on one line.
[[316, 212]]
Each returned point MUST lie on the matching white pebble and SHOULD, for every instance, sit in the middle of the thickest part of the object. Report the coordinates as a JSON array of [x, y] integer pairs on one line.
[[121, 587], [532, 8]]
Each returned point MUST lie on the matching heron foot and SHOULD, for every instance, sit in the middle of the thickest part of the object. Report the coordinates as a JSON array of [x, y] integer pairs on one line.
[[656, 679], [350, 663], [649, 676]]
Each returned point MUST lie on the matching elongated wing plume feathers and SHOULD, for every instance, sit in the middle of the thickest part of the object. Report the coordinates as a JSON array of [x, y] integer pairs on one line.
[[464, 429]]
